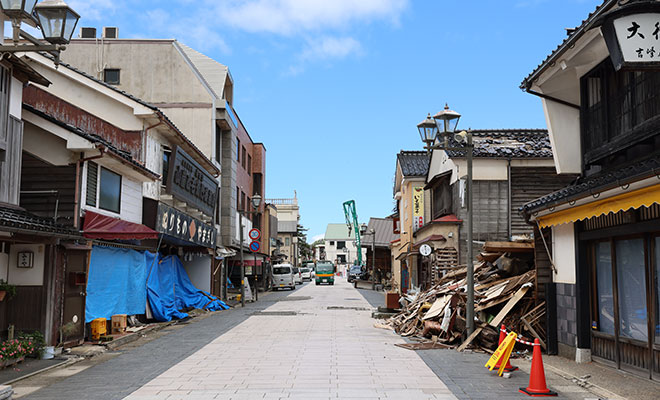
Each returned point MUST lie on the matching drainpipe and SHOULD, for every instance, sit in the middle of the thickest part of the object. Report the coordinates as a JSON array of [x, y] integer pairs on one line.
[[76, 205], [508, 177]]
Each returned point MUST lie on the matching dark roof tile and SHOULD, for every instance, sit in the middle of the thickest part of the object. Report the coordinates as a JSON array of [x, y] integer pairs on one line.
[[18, 219], [507, 143], [413, 163]]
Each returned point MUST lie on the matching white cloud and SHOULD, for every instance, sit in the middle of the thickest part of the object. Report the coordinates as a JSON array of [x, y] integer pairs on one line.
[[330, 47], [289, 17], [95, 10], [317, 237]]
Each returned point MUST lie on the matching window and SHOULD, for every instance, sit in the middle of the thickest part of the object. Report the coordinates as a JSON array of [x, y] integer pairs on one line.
[[238, 150], [242, 200], [110, 190], [341, 244], [238, 198], [167, 154], [249, 166], [218, 144], [332, 243], [111, 76], [287, 241], [92, 180], [243, 158], [631, 282], [620, 109], [441, 199], [605, 298]]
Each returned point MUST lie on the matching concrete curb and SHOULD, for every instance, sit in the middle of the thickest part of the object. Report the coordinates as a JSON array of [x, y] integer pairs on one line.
[[63, 364], [595, 389]]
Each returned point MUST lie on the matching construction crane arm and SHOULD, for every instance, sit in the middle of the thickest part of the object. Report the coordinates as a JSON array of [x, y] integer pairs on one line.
[[352, 222]]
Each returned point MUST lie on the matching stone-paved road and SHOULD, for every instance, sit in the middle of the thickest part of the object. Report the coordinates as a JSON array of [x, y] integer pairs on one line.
[[288, 345]]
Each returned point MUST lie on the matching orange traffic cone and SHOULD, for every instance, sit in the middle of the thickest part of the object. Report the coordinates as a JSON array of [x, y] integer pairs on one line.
[[537, 386], [508, 367]]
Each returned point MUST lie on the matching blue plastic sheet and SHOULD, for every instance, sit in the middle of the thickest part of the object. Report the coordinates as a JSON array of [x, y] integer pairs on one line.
[[116, 283], [169, 290]]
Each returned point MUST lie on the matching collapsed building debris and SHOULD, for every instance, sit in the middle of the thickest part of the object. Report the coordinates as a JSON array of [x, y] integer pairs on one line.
[[504, 292]]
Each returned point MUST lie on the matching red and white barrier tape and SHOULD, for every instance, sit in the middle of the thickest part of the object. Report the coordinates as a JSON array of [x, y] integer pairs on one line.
[[520, 340]]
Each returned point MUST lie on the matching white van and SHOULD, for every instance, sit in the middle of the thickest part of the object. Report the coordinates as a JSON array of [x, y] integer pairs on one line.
[[283, 276]]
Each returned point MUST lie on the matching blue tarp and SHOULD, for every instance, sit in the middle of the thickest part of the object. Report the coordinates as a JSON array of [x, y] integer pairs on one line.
[[116, 283], [122, 280], [169, 290]]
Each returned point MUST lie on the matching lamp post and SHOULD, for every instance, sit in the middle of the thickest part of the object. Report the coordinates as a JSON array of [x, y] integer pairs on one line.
[[436, 133], [256, 202], [55, 19], [372, 232]]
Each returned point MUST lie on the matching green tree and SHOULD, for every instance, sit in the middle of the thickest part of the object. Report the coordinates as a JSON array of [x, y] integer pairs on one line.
[[304, 248]]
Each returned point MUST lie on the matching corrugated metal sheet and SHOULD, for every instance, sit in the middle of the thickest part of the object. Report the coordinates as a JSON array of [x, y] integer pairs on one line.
[[530, 183], [338, 232], [384, 232], [287, 226]]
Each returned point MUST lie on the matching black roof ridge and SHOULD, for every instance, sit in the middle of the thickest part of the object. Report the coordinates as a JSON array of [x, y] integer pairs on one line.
[[511, 130], [599, 182]]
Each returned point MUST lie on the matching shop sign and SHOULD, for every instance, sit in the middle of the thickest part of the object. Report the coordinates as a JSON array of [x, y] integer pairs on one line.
[[632, 34], [418, 207], [174, 223], [639, 37], [189, 182]]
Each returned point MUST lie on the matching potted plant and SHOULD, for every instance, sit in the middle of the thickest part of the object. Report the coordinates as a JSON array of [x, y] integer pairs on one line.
[[6, 290]]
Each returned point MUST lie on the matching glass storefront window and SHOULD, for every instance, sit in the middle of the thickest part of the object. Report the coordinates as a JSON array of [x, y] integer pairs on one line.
[[605, 292], [631, 281]]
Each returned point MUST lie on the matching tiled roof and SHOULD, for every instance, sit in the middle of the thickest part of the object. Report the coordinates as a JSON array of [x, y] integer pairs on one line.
[[338, 232], [598, 183], [507, 143], [94, 139], [211, 71], [384, 232], [17, 219], [413, 163], [567, 43], [142, 102]]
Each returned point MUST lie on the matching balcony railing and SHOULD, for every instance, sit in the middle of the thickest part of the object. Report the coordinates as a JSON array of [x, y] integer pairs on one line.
[[276, 202]]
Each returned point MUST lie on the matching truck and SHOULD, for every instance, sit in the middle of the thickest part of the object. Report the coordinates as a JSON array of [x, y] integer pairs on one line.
[[324, 272]]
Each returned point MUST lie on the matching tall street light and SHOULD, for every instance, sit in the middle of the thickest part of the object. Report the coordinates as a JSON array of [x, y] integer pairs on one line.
[[54, 18], [371, 232], [256, 202], [437, 133]]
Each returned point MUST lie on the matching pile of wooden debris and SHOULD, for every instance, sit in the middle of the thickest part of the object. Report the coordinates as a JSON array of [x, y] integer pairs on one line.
[[504, 288]]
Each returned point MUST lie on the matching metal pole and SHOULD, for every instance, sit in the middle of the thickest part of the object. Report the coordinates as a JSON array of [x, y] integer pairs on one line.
[[469, 314], [256, 283], [242, 268], [373, 260]]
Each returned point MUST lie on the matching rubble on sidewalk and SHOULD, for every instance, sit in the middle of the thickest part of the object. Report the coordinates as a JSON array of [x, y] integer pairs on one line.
[[504, 293]]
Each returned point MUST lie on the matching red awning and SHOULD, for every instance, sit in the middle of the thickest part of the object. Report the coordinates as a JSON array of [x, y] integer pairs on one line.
[[99, 226]]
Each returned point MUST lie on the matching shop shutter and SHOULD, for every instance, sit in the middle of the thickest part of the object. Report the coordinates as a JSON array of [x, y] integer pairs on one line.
[[92, 183]]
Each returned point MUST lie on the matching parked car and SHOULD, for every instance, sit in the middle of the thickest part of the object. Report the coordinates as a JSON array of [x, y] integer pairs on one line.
[[354, 273], [283, 276], [297, 276], [306, 274]]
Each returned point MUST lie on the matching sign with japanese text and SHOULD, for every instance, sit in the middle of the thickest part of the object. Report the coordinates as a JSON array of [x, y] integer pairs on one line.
[[189, 182], [502, 353], [182, 226], [639, 37], [418, 207]]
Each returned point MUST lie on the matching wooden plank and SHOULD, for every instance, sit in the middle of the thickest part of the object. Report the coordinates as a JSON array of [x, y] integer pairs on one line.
[[505, 310], [504, 247]]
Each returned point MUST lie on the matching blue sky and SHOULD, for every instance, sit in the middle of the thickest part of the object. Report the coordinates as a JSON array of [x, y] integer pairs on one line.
[[335, 88]]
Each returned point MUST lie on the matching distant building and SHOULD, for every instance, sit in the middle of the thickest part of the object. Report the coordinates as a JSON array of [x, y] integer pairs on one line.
[[339, 243], [288, 216]]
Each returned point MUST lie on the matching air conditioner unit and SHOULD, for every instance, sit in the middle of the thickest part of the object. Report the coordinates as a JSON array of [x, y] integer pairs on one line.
[[110, 32], [87, 33]]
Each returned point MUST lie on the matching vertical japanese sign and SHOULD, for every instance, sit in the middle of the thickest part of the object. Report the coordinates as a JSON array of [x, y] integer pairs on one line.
[[418, 207], [639, 37]]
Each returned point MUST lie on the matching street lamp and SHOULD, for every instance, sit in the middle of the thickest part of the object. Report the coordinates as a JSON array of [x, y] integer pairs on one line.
[[54, 17], [256, 202], [454, 141]]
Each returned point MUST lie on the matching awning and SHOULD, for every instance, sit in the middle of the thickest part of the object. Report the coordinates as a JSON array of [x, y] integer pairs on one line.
[[99, 226], [432, 238], [625, 201]]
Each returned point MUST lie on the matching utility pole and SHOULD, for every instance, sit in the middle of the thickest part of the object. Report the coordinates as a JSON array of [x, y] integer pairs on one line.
[[240, 246]]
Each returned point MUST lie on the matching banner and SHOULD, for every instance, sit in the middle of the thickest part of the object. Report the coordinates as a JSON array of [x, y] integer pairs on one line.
[[418, 207]]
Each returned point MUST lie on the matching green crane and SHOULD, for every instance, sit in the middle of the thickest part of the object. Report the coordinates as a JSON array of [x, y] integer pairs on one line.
[[352, 222]]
